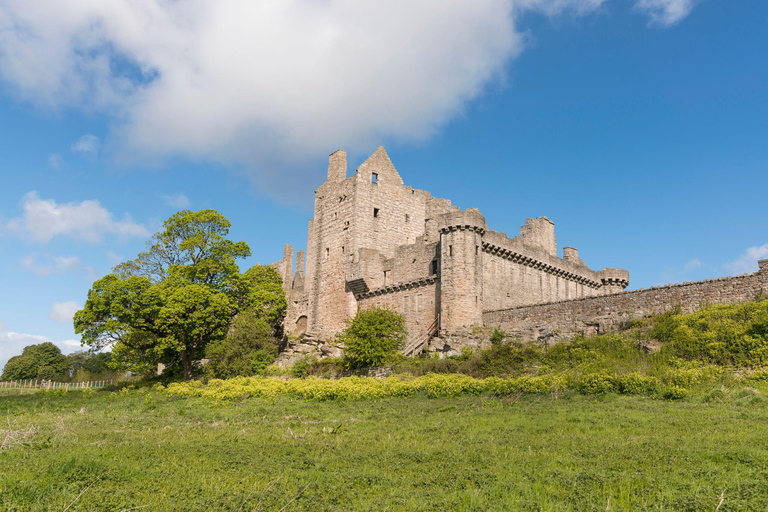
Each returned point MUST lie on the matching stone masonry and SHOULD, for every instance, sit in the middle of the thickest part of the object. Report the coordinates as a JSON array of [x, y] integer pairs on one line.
[[375, 241]]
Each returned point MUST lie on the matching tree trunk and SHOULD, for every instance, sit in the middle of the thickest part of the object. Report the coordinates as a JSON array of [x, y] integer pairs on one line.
[[186, 364]]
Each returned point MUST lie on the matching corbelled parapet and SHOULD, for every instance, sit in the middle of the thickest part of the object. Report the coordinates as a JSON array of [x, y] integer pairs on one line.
[[470, 219], [614, 280]]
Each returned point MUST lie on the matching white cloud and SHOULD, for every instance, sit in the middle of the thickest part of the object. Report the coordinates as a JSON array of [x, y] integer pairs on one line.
[[693, 264], [665, 12], [87, 145], [747, 262], [57, 265], [45, 219], [64, 311], [12, 343], [55, 160], [176, 200], [265, 85]]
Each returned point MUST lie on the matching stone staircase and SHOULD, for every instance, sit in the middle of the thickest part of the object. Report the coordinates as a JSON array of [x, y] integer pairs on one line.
[[416, 345]]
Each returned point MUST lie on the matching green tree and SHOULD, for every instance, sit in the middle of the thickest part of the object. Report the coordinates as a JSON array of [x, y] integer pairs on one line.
[[248, 349], [265, 295], [373, 336], [32, 359], [87, 361], [175, 298]]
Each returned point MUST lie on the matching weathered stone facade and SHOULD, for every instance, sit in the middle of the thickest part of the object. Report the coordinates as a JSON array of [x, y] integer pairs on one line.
[[376, 241]]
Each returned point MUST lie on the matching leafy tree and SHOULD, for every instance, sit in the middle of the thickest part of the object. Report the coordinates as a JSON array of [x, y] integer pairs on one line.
[[373, 336], [248, 349], [265, 296], [33, 358], [86, 361], [175, 298]]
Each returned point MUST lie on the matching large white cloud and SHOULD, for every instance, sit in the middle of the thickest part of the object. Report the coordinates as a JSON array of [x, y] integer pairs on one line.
[[263, 84], [45, 219]]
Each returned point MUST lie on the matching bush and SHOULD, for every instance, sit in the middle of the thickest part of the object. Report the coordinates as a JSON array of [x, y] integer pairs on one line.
[[497, 338], [733, 334], [372, 337]]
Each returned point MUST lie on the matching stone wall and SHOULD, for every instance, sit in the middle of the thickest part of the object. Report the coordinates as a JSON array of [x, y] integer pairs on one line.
[[591, 315]]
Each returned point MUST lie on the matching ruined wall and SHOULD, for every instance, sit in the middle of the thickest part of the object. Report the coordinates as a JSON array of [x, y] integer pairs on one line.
[[417, 301], [549, 322], [328, 248]]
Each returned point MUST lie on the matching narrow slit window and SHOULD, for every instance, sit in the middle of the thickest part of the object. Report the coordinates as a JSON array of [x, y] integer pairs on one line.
[[327, 252], [374, 178], [407, 218], [450, 250], [477, 250], [375, 212]]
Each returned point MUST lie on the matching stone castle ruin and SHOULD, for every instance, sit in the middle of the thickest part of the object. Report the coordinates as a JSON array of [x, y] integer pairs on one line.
[[375, 241]]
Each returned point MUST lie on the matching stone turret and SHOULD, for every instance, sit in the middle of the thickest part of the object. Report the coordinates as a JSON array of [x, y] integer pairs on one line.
[[461, 269], [614, 280]]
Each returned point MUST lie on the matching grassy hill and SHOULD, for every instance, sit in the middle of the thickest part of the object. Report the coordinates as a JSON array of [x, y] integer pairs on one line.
[[669, 414]]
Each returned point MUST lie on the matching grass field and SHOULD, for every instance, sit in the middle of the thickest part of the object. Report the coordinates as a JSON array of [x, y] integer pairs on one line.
[[144, 451]]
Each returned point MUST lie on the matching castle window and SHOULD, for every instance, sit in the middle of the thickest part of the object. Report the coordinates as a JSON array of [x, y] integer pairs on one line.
[[450, 250], [375, 212], [433, 268], [374, 178], [477, 250], [386, 277], [407, 218], [346, 225], [327, 253]]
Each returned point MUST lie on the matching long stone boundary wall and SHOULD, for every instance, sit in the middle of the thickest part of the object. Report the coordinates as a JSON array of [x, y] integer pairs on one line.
[[591, 315]]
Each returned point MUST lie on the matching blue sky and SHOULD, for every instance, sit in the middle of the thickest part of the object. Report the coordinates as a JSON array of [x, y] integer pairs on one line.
[[638, 126]]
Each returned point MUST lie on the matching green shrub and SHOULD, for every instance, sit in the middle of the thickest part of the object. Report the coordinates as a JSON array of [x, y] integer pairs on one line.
[[675, 393], [300, 368], [732, 334], [596, 384], [372, 337], [497, 338]]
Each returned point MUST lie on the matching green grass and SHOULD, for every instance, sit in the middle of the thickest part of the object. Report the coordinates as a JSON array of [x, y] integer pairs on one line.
[[572, 452]]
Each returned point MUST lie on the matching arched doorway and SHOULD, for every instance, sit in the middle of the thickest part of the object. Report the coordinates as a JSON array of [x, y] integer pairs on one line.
[[301, 325]]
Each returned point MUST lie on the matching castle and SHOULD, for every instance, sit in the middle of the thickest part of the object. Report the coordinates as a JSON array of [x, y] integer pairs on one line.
[[375, 241]]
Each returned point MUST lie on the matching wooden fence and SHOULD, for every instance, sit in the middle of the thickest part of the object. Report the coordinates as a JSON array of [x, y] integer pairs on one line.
[[35, 384]]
